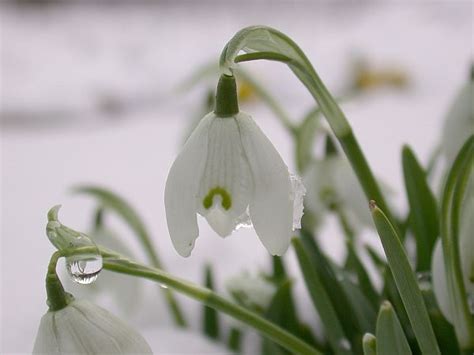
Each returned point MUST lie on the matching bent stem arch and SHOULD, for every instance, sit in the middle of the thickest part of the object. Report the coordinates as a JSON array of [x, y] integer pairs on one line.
[[261, 42]]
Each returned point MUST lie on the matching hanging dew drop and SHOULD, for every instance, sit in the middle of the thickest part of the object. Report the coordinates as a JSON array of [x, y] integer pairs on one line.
[[84, 269], [243, 221]]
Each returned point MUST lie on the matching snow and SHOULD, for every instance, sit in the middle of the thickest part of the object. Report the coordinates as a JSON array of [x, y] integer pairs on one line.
[[86, 97]]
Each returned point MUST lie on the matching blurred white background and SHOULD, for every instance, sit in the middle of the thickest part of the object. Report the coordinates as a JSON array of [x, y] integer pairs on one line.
[[87, 97]]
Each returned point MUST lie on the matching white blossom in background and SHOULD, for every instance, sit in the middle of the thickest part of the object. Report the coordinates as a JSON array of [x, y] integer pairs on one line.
[[84, 328], [466, 251], [459, 123], [226, 168], [331, 181], [252, 291], [180, 341]]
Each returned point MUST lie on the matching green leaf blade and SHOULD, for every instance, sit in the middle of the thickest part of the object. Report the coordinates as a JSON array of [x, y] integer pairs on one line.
[[406, 282], [454, 190], [210, 317], [369, 344], [321, 300], [390, 337], [424, 220]]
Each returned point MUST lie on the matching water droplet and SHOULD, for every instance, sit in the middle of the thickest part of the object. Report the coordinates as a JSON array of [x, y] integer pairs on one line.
[[297, 193], [243, 221], [424, 276], [424, 280], [344, 344], [84, 269]]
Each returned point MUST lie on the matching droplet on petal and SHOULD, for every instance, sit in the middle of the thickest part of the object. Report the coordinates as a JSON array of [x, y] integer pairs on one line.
[[298, 191], [244, 221]]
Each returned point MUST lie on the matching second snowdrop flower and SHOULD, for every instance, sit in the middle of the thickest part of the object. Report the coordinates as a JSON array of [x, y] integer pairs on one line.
[[227, 172]]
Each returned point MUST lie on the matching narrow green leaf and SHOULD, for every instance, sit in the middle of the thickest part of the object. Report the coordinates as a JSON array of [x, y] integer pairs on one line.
[[353, 263], [406, 282], [423, 209], [210, 317], [362, 307], [282, 310], [369, 344], [331, 276], [390, 292], [270, 348], [235, 340], [321, 301], [279, 272], [453, 194], [444, 331], [390, 337], [378, 261]]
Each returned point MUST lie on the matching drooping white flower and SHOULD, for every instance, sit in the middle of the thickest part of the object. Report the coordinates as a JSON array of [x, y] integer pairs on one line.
[[466, 253], [226, 169], [331, 181], [252, 291], [459, 122], [84, 328]]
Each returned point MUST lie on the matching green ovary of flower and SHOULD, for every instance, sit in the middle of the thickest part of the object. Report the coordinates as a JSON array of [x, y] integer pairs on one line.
[[226, 202]]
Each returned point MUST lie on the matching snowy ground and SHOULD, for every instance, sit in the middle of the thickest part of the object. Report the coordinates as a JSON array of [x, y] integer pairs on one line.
[[63, 68]]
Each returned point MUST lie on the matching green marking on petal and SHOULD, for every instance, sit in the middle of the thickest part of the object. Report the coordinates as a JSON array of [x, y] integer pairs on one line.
[[226, 199]]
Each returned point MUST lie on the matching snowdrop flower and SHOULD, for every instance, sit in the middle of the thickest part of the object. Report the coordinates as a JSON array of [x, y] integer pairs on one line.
[[330, 182], [466, 249], [84, 328], [459, 123], [253, 292], [228, 171]]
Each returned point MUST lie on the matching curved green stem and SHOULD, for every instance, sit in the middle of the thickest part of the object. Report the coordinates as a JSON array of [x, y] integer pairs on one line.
[[260, 42], [57, 297], [213, 300]]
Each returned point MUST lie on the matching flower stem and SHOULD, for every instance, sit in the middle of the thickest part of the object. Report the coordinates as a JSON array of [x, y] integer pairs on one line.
[[57, 297], [213, 300], [227, 104], [262, 42]]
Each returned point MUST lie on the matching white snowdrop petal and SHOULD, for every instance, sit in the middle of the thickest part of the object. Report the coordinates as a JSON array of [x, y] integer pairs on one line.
[[46, 342], [182, 188], [226, 184], [84, 328], [440, 284], [271, 208], [351, 194], [319, 183], [220, 221], [253, 290], [459, 123]]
